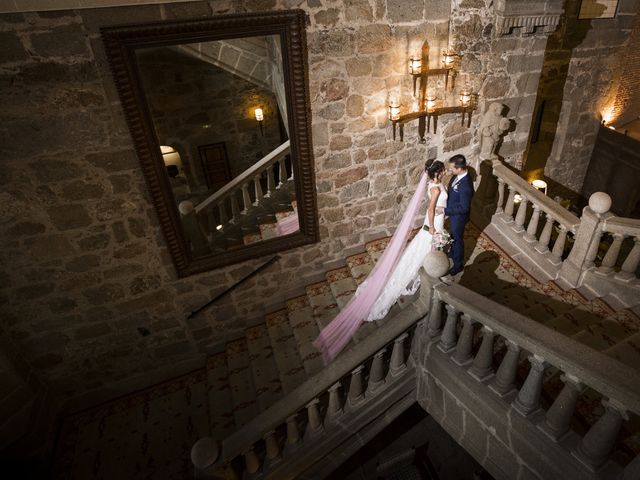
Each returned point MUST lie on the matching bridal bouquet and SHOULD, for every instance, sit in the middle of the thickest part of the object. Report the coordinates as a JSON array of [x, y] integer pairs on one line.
[[441, 241]]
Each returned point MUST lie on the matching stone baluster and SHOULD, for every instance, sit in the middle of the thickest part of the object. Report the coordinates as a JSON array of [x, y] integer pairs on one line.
[[356, 392], [334, 410], [246, 199], [601, 437], [283, 172], [271, 181], [499, 208], [398, 364], [448, 338], [532, 228], [509, 207], [609, 260], [258, 190], [558, 247], [313, 414], [251, 462], [222, 213], [376, 375], [482, 367], [291, 164], [435, 317], [630, 265], [558, 418], [521, 215], [463, 355], [632, 470], [272, 446], [528, 399], [293, 435], [593, 249], [505, 379], [545, 236], [235, 208], [230, 473]]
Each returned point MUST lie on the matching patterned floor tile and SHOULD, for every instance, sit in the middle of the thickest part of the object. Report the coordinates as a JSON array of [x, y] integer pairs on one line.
[[324, 306], [342, 285], [263, 366], [376, 248], [268, 230], [360, 265]]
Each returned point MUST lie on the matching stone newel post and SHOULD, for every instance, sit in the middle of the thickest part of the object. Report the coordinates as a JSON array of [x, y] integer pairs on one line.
[[587, 238]]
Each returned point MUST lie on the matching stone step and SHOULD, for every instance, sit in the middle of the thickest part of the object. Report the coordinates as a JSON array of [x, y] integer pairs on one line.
[[573, 321], [219, 395], [305, 330], [627, 351], [266, 377], [323, 305], [285, 350], [342, 285], [376, 248], [250, 238], [360, 265], [268, 230], [243, 392]]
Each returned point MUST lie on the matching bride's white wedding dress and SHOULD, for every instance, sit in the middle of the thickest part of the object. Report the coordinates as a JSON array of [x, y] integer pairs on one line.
[[405, 279]]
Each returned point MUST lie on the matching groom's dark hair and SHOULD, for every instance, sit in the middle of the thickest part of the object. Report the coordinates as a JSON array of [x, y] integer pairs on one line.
[[459, 161]]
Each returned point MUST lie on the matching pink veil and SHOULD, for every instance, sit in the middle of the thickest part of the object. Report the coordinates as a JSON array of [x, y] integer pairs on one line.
[[336, 335]]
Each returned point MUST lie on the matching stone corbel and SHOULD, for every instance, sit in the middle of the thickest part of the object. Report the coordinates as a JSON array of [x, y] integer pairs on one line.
[[521, 14]]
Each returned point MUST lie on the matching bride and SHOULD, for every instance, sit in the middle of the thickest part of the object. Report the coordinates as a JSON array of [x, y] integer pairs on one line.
[[405, 279], [396, 273]]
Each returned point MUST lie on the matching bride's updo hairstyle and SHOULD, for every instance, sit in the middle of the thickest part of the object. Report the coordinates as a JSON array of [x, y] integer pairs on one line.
[[433, 168]]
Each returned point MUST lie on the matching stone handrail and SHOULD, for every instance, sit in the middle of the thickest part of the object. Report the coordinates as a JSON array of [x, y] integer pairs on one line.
[[242, 183], [305, 397], [621, 228], [600, 372], [517, 184]]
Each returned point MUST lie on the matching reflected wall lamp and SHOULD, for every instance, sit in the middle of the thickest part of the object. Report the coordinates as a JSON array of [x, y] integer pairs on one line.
[[260, 117]]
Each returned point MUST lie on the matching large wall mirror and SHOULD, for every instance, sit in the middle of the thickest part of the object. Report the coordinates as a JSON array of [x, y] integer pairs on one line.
[[219, 114]]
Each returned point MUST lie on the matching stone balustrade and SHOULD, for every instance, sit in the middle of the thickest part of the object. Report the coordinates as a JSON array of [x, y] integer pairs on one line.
[[224, 206], [326, 405], [548, 357], [621, 229], [515, 196]]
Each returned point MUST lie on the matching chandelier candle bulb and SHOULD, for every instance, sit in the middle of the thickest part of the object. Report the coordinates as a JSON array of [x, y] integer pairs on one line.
[[415, 66], [465, 98], [394, 112], [431, 103]]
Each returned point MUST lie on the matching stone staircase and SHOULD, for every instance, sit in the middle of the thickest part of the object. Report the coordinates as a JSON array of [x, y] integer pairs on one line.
[[276, 355]]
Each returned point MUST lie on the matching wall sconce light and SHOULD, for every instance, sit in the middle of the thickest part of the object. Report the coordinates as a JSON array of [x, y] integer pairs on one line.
[[260, 117], [427, 107], [170, 156], [540, 185]]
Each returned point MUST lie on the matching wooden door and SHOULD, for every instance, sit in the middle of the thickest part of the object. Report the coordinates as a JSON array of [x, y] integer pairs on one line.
[[215, 165]]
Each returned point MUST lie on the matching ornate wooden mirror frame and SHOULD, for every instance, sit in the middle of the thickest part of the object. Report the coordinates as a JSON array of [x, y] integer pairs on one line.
[[121, 44]]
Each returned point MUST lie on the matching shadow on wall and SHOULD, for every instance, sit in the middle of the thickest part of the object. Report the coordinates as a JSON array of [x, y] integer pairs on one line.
[[570, 34]]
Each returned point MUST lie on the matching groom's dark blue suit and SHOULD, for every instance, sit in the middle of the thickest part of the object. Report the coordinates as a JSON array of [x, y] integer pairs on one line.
[[458, 210]]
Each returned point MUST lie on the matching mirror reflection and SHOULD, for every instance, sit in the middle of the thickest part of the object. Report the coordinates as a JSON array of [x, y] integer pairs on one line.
[[220, 115]]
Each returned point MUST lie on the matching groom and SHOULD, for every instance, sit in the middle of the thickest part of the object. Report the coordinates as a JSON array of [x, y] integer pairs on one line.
[[458, 209]]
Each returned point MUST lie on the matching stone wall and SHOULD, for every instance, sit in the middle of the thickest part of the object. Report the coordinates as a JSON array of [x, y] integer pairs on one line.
[[626, 106], [580, 78], [90, 295]]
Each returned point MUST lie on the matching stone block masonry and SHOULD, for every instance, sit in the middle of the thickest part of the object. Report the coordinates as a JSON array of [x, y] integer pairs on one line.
[[85, 263]]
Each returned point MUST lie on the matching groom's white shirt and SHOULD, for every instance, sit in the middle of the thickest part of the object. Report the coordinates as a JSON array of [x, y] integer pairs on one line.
[[458, 178]]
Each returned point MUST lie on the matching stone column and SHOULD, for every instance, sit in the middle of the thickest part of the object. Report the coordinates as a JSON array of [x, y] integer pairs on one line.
[[448, 338], [271, 182], [251, 462], [293, 435], [528, 399], [630, 265], [335, 402], [355, 386], [609, 260], [505, 380], [508, 209], [532, 228], [600, 438], [521, 215], [271, 445], [246, 199], [398, 363], [258, 190], [315, 422], [235, 208], [499, 208], [558, 418], [376, 375], [587, 239], [545, 236], [482, 367], [435, 317], [558, 247], [463, 355]]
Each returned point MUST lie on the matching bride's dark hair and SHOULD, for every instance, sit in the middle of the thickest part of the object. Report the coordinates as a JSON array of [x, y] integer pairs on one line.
[[433, 168]]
